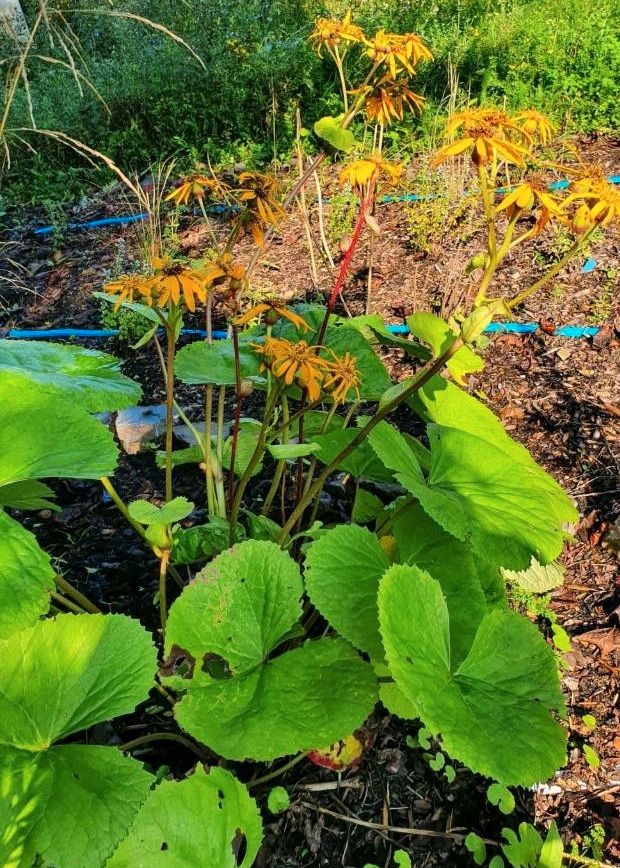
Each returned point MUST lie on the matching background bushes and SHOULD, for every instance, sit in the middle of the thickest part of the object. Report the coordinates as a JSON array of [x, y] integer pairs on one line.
[[562, 57]]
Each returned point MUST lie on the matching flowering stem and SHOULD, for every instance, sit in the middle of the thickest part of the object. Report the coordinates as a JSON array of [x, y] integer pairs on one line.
[[281, 465], [342, 272], [423, 376], [489, 212], [343, 84], [237, 421], [577, 245], [272, 401], [499, 255], [170, 347]]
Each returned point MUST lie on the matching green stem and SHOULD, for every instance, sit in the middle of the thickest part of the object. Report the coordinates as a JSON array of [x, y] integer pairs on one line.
[[68, 604], [257, 782], [555, 269], [281, 465], [254, 459], [161, 736], [120, 505], [207, 450], [343, 84], [163, 572], [423, 376], [170, 348], [499, 255], [68, 589]]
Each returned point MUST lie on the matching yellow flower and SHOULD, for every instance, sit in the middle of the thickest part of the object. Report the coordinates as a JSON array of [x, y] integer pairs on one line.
[[193, 187], [530, 194], [257, 194], [535, 125], [342, 377], [129, 287], [388, 99], [173, 281], [397, 51], [486, 133], [331, 33], [295, 362], [360, 172], [224, 269], [274, 311], [599, 202]]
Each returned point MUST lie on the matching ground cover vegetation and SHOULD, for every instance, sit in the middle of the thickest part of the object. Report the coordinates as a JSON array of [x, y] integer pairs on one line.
[[293, 626], [138, 97]]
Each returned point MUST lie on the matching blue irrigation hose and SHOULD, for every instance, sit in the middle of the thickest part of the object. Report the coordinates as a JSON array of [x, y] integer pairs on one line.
[[220, 208], [519, 328]]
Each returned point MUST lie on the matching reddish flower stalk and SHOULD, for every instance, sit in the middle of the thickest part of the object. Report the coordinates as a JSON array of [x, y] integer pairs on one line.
[[344, 268]]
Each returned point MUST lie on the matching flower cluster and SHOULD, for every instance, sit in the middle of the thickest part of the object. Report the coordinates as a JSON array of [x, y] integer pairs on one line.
[[172, 282], [488, 135], [385, 94], [361, 172], [299, 363]]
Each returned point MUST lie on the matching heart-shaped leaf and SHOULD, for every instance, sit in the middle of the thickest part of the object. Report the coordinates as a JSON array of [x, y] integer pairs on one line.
[[494, 710], [240, 701]]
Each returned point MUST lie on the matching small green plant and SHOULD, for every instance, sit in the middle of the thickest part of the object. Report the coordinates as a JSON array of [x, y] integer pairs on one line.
[[131, 326], [602, 305]]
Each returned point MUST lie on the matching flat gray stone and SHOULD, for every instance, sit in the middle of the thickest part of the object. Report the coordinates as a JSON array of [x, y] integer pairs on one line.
[[138, 426]]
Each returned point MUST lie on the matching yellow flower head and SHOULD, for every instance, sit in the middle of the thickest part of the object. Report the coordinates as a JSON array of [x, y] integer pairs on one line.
[[360, 172], [223, 270], [274, 312], [173, 281], [194, 187], [295, 362], [388, 99], [257, 195], [342, 377], [129, 287], [397, 51], [533, 193], [535, 125], [488, 134], [331, 34], [598, 202]]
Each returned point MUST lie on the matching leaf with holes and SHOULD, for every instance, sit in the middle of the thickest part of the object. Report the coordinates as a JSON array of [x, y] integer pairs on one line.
[[26, 577], [241, 700], [209, 813], [69, 803], [494, 710], [90, 379]]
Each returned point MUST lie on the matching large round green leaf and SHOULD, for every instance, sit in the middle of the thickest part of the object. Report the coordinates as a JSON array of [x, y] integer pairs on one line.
[[88, 378], [202, 820], [26, 577], [342, 572], [309, 697], [42, 435], [494, 710], [68, 673], [69, 805], [240, 702]]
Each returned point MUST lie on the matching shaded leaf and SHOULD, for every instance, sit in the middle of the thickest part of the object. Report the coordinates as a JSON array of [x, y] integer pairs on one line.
[[89, 379]]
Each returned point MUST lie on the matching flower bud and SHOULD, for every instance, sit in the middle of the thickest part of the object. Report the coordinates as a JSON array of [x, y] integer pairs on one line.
[[478, 260], [246, 388]]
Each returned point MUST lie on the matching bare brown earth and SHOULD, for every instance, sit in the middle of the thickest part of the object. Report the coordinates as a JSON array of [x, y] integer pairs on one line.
[[560, 397]]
